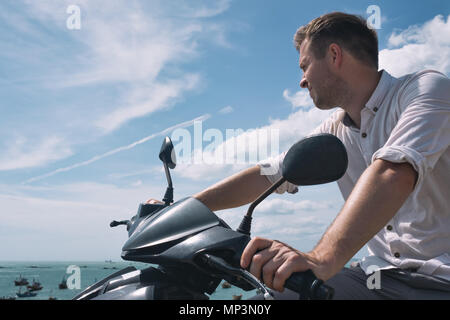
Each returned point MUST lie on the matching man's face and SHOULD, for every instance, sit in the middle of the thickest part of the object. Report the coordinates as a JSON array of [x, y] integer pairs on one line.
[[324, 87]]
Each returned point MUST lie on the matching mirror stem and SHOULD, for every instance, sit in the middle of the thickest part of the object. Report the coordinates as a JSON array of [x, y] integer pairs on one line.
[[168, 196], [169, 178], [246, 222]]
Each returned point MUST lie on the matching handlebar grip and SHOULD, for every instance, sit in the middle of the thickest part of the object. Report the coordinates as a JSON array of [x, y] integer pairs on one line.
[[118, 223], [308, 286]]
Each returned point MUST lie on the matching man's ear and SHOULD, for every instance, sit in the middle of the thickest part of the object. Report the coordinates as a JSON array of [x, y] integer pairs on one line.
[[335, 55]]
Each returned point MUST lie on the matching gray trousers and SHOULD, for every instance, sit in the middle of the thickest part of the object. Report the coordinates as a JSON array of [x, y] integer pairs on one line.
[[352, 284]]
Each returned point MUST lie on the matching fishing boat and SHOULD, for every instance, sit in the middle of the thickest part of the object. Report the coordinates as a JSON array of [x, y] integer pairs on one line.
[[36, 286], [21, 281], [26, 294], [63, 284]]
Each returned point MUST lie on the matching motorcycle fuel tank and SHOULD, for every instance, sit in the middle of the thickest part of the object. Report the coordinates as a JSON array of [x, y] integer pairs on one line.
[[169, 226]]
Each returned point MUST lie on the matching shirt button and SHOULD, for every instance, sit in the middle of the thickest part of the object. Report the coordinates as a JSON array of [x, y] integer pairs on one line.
[[389, 227], [397, 255], [364, 135], [375, 109]]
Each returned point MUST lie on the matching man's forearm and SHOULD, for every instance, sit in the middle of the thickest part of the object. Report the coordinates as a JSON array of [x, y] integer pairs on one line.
[[235, 191], [379, 194]]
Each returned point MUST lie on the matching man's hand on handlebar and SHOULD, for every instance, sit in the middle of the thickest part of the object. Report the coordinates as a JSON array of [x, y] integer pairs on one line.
[[274, 262]]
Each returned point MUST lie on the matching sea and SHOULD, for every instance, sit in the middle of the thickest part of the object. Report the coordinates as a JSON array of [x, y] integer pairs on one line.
[[51, 274]]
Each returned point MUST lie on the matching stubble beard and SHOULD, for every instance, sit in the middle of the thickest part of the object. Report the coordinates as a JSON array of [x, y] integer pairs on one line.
[[330, 93]]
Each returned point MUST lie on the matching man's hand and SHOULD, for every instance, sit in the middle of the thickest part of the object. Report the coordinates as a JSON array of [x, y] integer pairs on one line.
[[274, 262], [153, 201]]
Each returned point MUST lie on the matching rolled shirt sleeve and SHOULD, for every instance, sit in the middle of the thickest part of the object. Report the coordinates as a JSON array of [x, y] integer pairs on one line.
[[271, 169], [422, 133]]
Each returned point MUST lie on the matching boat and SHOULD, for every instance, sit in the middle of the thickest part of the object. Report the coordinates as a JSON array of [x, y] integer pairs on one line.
[[21, 281], [226, 285], [63, 284], [237, 297], [26, 294], [36, 286]]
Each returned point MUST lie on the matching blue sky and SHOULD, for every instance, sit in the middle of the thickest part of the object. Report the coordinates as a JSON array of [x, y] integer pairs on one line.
[[76, 104]]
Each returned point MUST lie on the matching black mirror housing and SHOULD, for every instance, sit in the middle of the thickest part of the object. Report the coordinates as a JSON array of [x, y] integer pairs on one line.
[[315, 160], [167, 153]]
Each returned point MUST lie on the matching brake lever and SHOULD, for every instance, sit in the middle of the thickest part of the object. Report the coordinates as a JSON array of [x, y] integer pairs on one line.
[[221, 265]]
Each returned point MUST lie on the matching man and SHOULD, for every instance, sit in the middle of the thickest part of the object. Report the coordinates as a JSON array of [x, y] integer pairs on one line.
[[397, 186]]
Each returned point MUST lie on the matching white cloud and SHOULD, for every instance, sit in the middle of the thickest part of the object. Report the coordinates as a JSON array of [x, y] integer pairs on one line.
[[25, 153], [157, 97], [137, 183], [131, 53], [226, 110], [282, 206], [116, 150], [69, 221], [204, 9], [154, 170], [418, 47], [208, 172], [299, 99]]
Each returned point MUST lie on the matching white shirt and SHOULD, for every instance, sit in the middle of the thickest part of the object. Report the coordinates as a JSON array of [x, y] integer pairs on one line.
[[406, 119]]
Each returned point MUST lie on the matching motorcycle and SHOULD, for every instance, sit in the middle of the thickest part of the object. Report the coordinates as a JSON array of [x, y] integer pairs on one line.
[[194, 250]]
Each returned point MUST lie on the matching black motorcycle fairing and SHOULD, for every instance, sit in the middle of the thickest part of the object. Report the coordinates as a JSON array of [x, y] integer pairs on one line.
[[94, 289], [171, 224], [218, 240], [145, 210], [147, 284], [186, 255], [129, 292]]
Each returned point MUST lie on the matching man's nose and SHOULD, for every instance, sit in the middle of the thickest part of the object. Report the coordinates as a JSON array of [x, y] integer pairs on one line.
[[304, 83]]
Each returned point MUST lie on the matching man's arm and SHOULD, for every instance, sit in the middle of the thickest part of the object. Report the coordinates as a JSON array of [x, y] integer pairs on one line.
[[235, 191], [380, 192]]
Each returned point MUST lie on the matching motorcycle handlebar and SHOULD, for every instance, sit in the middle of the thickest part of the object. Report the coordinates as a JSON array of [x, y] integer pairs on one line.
[[308, 286]]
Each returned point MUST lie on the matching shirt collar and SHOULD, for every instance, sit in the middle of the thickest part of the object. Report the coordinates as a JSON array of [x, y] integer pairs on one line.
[[376, 100]]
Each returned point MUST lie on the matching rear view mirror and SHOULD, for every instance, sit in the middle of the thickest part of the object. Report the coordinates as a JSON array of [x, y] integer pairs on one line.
[[167, 153], [315, 160]]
